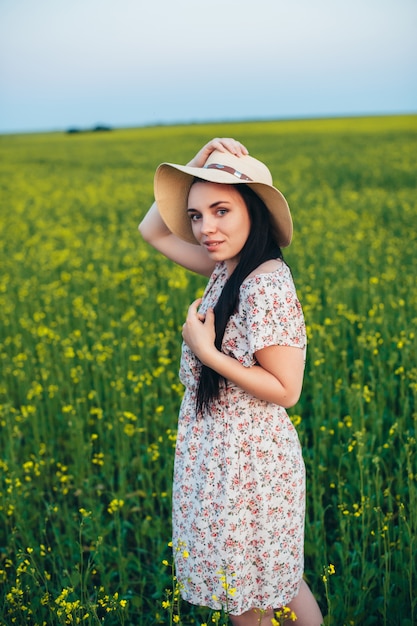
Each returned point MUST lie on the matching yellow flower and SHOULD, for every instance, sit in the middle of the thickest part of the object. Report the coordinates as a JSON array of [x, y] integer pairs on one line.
[[115, 505]]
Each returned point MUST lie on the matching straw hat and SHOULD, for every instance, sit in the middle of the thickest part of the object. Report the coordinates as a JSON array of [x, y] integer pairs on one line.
[[172, 185]]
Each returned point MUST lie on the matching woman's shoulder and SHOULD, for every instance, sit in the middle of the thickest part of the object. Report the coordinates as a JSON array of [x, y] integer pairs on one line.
[[273, 267], [272, 277]]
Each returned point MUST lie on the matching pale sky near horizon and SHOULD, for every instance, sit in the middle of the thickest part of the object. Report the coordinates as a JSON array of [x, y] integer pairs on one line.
[[79, 63]]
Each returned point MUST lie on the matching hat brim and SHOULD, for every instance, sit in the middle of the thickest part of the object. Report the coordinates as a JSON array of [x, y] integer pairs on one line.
[[172, 185]]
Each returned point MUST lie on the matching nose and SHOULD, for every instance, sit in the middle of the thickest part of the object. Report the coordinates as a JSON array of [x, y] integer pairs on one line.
[[208, 224]]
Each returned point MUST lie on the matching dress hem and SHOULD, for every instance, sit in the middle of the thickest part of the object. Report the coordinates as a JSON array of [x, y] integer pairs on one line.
[[218, 606]]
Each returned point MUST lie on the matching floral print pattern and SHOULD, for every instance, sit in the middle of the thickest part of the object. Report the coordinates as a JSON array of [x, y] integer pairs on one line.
[[239, 478]]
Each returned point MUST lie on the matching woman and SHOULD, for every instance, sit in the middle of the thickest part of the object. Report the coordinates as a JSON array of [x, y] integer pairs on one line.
[[239, 483]]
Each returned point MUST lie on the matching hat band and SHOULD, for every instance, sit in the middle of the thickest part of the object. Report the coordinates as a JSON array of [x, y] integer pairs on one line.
[[228, 169]]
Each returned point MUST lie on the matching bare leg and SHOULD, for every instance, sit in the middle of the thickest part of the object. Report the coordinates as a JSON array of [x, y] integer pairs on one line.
[[254, 617], [306, 608]]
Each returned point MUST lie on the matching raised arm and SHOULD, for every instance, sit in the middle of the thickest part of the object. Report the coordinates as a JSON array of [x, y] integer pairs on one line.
[[156, 233]]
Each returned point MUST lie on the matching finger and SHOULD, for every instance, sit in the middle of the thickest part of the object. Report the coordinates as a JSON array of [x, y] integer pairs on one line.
[[234, 146], [192, 309], [209, 317], [241, 150], [218, 144]]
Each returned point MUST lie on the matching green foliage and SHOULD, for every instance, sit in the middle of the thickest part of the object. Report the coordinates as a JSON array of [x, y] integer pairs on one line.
[[90, 322]]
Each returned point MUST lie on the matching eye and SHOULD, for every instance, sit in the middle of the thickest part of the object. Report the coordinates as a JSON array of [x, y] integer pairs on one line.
[[222, 211], [195, 217]]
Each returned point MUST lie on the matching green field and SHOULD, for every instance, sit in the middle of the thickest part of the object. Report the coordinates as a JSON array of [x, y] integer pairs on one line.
[[90, 321]]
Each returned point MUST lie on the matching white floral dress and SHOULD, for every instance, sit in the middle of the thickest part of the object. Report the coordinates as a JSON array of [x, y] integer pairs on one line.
[[239, 478]]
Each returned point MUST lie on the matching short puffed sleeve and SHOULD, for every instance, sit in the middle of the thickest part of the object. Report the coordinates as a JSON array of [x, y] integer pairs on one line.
[[269, 314]]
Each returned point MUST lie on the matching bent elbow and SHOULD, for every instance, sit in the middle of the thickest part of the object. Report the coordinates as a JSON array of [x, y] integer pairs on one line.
[[148, 235], [289, 404], [291, 398], [145, 233]]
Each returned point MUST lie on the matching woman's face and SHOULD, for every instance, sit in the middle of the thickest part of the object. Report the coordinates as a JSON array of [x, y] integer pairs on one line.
[[220, 221]]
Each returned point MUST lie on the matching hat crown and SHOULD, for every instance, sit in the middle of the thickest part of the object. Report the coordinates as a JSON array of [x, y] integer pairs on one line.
[[254, 170]]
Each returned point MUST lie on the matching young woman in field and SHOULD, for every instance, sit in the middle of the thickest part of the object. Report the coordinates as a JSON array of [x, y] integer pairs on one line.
[[239, 479]]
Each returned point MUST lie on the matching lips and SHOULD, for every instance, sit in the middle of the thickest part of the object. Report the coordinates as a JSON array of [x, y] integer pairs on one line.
[[211, 245]]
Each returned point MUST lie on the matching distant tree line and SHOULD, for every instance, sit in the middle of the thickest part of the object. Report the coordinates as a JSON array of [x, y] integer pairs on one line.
[[96, 129]]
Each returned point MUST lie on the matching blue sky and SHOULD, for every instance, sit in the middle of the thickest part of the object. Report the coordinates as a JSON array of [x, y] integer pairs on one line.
[[66, 63]]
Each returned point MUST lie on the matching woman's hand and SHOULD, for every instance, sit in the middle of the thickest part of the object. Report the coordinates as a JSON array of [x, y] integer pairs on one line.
[[225, 144], [199, 333]]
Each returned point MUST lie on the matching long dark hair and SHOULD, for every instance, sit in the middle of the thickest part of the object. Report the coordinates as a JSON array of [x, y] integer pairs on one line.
[[260, 246]]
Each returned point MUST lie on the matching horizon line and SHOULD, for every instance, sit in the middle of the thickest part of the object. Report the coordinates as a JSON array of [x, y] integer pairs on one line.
[[246, 120]]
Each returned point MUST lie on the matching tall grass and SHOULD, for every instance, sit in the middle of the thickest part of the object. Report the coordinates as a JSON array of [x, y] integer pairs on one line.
[[90, 323]]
